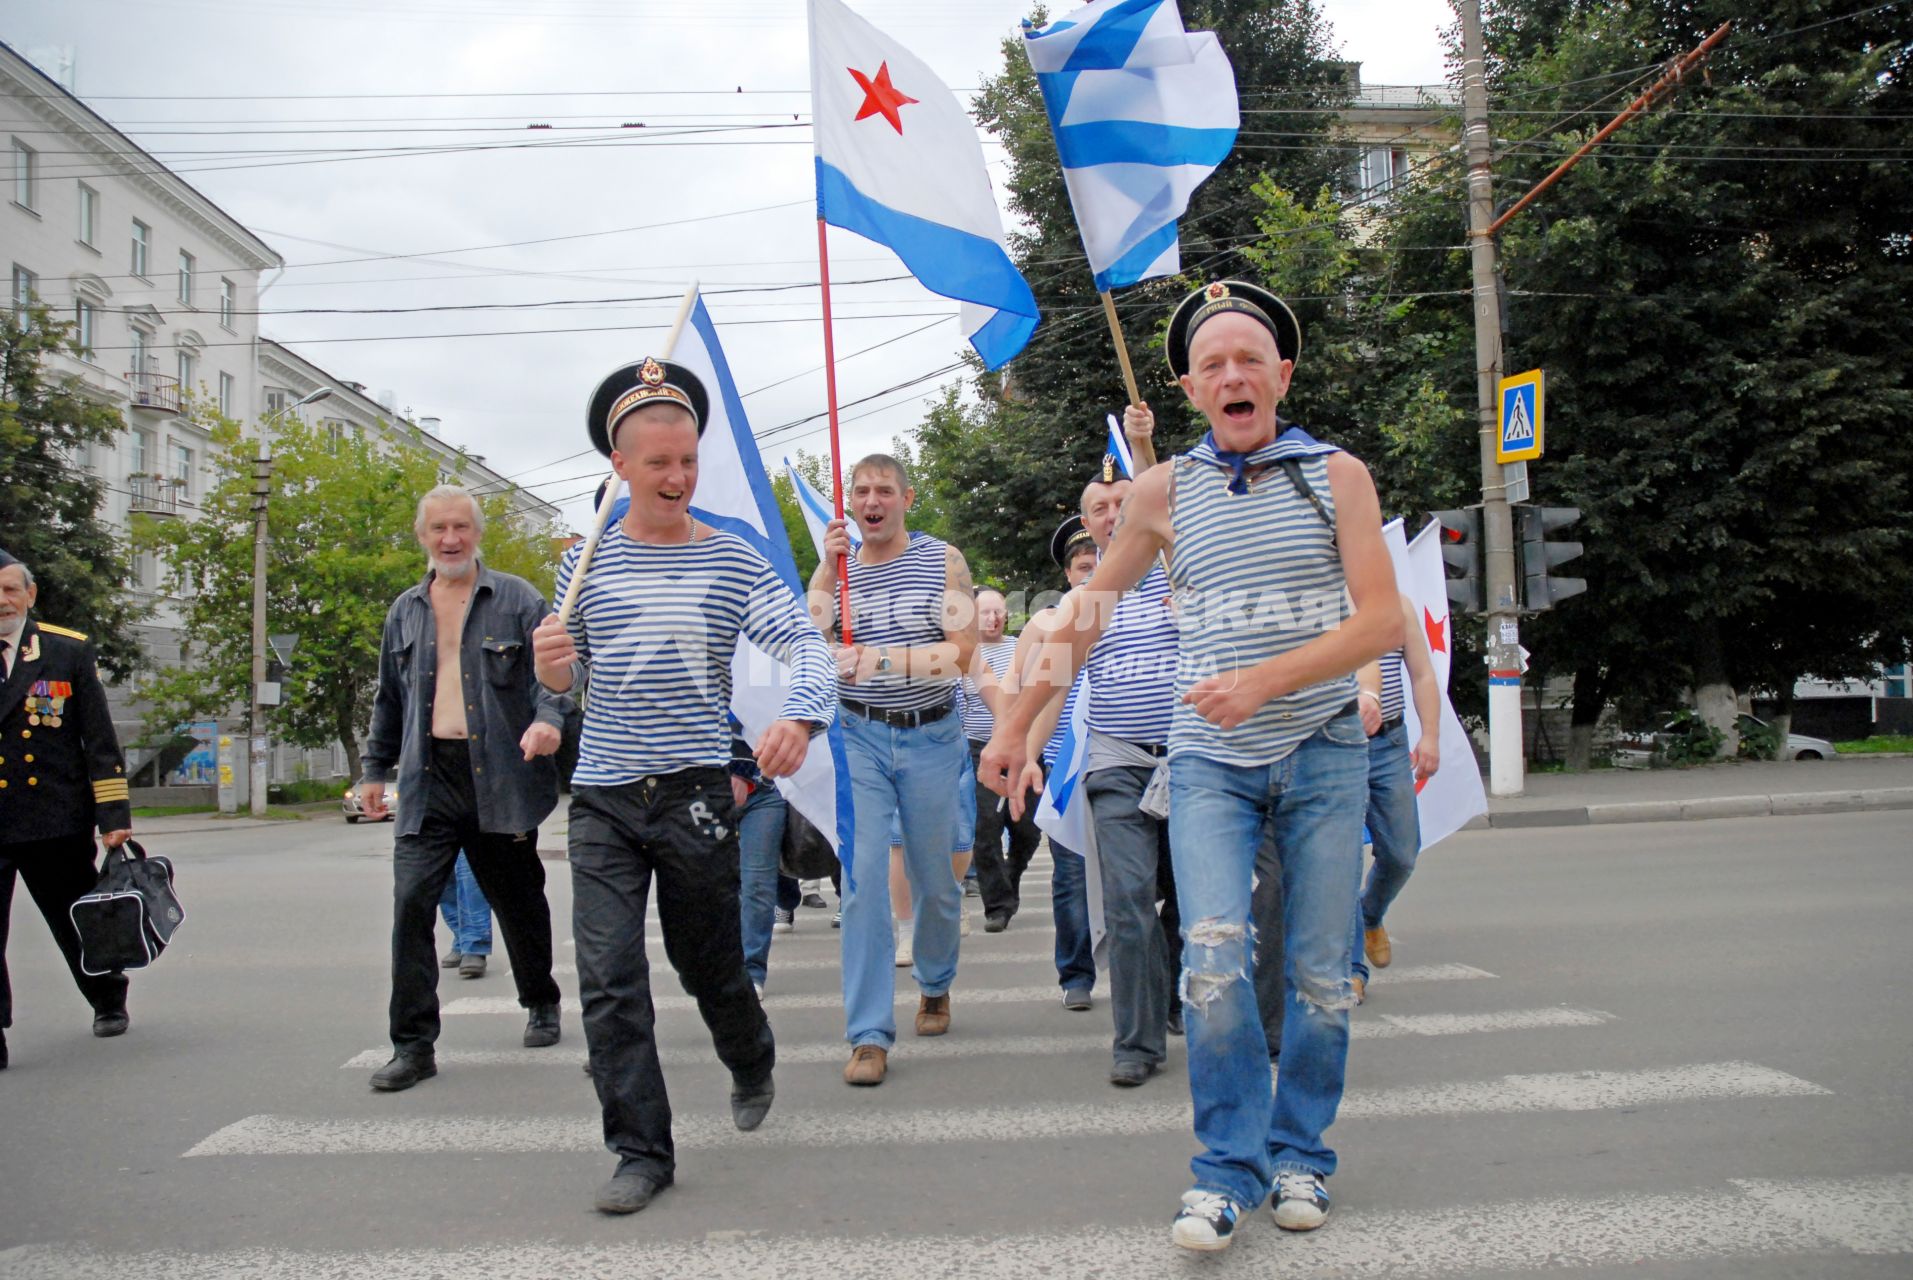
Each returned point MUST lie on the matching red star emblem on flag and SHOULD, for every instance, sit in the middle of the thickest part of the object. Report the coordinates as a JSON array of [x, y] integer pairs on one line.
[[1437, 629], [881, 98]]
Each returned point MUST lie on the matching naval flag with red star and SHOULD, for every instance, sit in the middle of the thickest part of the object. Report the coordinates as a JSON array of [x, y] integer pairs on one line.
[[899, 162], [1453, 796]]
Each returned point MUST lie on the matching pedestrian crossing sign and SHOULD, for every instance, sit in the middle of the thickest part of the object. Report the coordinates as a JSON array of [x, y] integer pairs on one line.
[[1522, 405]]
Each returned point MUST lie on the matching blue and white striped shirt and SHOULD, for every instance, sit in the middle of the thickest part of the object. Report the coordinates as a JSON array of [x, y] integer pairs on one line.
[[1256, 575], [1393, 696], [1132, 667], [899, 604], [658, 630], [978, 723], [1054, 746]]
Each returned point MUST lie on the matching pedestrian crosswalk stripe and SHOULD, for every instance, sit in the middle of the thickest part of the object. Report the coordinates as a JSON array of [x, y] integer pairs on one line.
[[1570, 1091], [1382, 1027], [1823, 1219], [467, 1006], [833, 962]]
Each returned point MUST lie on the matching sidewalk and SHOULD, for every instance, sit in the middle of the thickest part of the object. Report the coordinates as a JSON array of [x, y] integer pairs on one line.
[[1728, 790]]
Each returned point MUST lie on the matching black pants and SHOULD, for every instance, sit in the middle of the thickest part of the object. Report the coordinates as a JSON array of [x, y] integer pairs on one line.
[[999, 877], [58, 873], [682, 829], [510, 875]]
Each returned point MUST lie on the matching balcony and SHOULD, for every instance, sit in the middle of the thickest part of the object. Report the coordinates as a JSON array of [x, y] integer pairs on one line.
[[153, 495], [153, 391]]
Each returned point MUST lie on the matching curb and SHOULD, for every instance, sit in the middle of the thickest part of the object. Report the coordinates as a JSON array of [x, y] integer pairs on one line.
[[1785, 805]]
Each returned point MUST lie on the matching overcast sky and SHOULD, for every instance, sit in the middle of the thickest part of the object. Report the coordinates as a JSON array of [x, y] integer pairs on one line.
[[326, 89]]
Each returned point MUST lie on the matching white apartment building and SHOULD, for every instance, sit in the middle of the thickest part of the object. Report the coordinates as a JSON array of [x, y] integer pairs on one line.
[[163, 287]]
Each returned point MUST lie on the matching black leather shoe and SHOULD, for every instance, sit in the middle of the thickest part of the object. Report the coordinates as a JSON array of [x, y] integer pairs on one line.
[[628, 1193], [750, 1105], [402, 1072], [541, 1031], [110, 1022], [996, 922], [1175, 1018], [1130, 1072]]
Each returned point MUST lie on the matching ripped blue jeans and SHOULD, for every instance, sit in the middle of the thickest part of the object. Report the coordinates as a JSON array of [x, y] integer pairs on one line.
[[1313, 801]]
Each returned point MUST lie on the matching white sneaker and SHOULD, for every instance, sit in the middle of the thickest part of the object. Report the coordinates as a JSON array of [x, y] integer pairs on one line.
[[1300, 1202], [1206, 1222], [904, 930], [783, 919]]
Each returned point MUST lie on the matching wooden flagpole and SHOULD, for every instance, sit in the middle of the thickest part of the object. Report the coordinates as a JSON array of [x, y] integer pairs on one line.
[[830, 394], [1122, 348], [616, 482]]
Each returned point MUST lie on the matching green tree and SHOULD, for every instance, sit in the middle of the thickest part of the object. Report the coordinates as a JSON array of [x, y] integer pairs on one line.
[[50, 507], [341, 548]]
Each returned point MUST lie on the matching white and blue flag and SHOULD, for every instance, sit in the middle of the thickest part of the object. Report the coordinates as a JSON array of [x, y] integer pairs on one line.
[[1063, 813], [818, 512], [734, 494], [1119, 448], [1143, 112], [899, 162]]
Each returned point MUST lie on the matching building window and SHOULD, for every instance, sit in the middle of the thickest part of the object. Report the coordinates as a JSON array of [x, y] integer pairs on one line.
[[187, 362], [25, 286], [1381, 170], [89, 214], [26, 174], [182, 469], [186, 277], [1899, 680], [228, 299], [139, 342], [277, 398], [225, 395], [142, 247], [86, 321], [141, 446]]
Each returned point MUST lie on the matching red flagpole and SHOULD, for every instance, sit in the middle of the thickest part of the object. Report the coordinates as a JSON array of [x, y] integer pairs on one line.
[[836, 460]]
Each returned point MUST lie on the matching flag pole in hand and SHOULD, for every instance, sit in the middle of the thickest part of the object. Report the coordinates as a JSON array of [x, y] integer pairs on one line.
[[614, 482], [830, 395]]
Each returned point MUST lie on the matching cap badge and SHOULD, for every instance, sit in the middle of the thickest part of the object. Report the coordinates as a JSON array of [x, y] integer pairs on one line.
[[1216, 290], [651, 373]]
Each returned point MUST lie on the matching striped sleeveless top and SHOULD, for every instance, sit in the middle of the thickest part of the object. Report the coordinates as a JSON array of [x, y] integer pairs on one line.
[[1393, 695], [1132, 666], [978, 723], [1255, 575], [1054, 746], [900, 604]]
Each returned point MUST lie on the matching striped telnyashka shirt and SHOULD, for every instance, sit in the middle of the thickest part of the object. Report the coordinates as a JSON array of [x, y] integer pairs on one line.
[[1255, 575], [1054, 746], [657, 627], [899, 604], [978, 723], [1132, 666], [1393, 695]]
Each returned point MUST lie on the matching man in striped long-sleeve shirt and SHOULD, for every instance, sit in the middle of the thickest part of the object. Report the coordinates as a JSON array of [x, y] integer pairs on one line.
[[1271, 536], [656, 624], [913, 630]]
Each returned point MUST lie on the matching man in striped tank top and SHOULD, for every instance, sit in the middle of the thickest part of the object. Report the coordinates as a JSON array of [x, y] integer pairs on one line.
[[1271, 536], [999, 875], [657, 623], [913, 630]]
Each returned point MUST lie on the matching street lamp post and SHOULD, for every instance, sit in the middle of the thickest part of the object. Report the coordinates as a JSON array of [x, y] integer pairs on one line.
[[261, 492]]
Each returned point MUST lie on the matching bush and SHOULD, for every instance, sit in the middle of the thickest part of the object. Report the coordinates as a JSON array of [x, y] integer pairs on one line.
[[1759, 741], [309, 791], [1691, 740]]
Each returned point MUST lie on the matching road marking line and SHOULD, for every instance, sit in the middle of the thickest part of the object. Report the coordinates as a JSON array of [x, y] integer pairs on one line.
[[1387, 1027], [1744, 1219], [1553, 1092]]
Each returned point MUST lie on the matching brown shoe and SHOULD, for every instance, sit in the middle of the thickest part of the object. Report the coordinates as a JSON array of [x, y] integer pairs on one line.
[[867, 1066], [1375, 942], [933, 1014]]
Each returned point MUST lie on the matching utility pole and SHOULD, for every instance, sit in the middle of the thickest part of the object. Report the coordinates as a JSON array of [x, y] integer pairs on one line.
[[1506, 762], [256, 726]]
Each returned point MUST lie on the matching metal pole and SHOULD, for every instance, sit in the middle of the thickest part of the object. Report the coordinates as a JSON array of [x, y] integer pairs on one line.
[[1506, 767], [256, 726]]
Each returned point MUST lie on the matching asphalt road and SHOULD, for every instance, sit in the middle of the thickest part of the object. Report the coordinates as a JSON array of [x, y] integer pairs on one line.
[[1664, 1050]]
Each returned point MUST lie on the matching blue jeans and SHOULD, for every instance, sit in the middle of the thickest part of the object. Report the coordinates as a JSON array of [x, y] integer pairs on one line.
[[1217, 815], [1069, 907], [466, 912], [1394, 824], [1132, 851], [914, 775], [760, 839], [965, 815]]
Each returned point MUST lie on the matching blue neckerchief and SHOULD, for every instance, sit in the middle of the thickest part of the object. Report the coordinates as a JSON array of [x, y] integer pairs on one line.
[[1290, 442]]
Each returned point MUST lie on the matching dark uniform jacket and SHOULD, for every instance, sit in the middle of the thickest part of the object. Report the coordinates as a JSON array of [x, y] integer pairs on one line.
[[61, 771], [514, 794]]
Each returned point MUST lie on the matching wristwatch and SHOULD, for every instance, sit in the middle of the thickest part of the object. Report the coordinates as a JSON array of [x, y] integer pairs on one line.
[[883, 659]]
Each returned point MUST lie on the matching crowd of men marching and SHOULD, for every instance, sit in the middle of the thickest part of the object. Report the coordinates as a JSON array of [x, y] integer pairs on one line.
[[1233, 630]]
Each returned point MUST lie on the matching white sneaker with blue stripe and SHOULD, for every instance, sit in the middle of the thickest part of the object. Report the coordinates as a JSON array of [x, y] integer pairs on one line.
[[1300, 1202], [1207, 1221]]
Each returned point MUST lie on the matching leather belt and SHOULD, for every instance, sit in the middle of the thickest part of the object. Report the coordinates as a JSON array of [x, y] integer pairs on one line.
[[1390, 725], [900, 719]]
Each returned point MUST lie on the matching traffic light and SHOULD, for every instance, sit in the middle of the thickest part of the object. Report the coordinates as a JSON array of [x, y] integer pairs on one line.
[[1540, 588], [1461, 551]]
